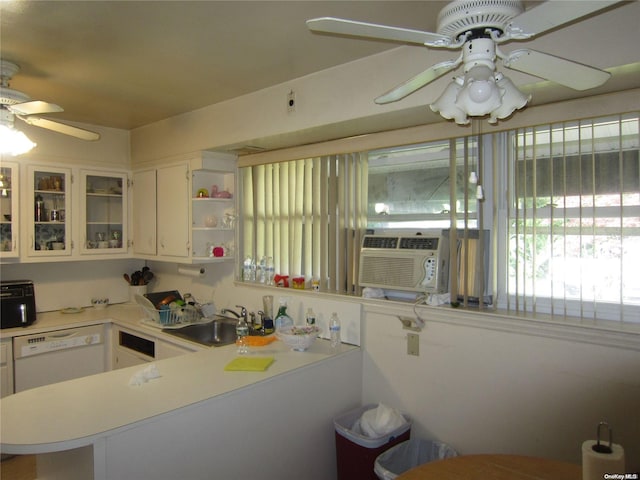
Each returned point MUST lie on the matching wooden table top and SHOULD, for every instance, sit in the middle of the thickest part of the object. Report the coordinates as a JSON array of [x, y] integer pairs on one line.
[[494, 467]]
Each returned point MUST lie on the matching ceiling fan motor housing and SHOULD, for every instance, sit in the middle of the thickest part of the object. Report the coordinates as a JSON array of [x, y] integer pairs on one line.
[[8, 96], [461, 16]]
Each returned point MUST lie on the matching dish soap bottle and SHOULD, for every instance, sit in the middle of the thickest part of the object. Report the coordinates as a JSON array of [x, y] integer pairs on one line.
[[282, 319]]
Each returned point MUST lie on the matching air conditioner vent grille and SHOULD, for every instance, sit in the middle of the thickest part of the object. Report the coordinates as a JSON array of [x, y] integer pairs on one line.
[[419, 243], [380, 242], [390, 272]]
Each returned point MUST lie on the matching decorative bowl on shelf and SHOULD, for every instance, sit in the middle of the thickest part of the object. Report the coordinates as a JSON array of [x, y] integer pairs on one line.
[[297, 337]]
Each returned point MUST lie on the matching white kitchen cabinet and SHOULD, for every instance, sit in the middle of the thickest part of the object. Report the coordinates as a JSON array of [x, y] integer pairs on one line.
[[48, 211], [173, 211], [144, 212], [184, 212], [63, 218], [103, 211], [9, 219], [161, 213], [6, 367]]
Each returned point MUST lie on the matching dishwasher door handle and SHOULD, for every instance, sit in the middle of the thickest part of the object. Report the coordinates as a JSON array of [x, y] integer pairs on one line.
[[58, 336]]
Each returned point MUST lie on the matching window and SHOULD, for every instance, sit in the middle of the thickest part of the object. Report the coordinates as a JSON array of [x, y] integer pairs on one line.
[[558, 206], [574, 219], [409, 187], [306, 217]]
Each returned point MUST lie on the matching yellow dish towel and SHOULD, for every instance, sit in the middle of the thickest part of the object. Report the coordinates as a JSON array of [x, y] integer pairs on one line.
[[249, 364]]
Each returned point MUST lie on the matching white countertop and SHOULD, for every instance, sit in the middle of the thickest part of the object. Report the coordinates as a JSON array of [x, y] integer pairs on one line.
[[75, 413], [127, 314]]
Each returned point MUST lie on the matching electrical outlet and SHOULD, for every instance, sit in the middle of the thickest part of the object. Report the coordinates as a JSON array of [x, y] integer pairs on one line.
[[291, 102], [413, 344]]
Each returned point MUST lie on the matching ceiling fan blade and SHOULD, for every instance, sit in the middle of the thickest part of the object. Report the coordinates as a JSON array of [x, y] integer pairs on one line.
[[371, 30], [560, 70], [34, 107], [80, 133], [417, 82], [551, 14]]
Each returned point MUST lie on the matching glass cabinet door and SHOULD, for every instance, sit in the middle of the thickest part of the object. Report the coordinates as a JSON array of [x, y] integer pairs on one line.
[[104, 207], [50, 231], [9, 210]]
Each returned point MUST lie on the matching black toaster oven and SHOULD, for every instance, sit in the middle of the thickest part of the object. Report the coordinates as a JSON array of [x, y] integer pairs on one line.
[[18, 303]]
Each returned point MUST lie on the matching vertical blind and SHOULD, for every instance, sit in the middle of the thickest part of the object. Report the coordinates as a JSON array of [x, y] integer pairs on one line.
[[307, 215], [558, 213], [574, 219]]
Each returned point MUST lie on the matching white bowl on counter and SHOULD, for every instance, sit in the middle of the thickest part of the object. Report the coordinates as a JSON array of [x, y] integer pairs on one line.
[[297, 337]]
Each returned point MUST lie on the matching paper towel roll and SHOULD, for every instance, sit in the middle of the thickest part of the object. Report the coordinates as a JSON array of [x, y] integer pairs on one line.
[[191, 271], [595, 464]]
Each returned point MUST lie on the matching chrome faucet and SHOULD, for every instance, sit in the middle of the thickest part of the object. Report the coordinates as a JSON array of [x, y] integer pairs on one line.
[[243, 312]]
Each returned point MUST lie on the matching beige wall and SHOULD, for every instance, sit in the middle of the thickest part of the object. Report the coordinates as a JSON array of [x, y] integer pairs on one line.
[[343, 95], [488, 390], [111, 151]]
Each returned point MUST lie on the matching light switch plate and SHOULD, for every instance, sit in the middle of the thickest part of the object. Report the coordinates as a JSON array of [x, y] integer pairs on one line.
[[413, 344]]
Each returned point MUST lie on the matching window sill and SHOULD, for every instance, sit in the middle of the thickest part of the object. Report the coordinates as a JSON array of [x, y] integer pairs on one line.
[[605, 333]]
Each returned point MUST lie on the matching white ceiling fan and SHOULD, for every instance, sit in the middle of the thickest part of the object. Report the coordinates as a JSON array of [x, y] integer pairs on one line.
[[15, 104], [477, 27]]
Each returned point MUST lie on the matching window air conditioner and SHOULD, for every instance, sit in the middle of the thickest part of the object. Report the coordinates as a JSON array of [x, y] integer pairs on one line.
[[411, 263]]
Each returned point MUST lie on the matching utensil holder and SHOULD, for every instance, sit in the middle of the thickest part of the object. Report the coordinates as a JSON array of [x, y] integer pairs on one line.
[[136, 290]]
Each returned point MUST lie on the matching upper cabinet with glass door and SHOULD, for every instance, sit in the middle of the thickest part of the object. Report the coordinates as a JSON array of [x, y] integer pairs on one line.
[[49, 231], [103, 197], [9, 210]]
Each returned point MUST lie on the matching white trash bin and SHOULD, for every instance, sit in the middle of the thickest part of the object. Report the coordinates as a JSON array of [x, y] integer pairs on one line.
[[407, 455]]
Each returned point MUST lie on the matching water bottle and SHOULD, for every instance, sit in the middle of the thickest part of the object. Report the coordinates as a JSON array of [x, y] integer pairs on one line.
[[252, 270], [242, 331], [269, 271], [262, 271], [334, 331], [248, 270]]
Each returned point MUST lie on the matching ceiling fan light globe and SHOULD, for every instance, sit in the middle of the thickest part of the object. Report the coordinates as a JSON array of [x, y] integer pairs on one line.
[[13, 142], [479, 94], [512, 99], [445, 104], [480, 91], [478, 109]]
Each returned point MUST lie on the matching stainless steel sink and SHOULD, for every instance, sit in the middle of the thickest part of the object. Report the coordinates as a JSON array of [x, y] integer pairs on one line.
[[216, 333]]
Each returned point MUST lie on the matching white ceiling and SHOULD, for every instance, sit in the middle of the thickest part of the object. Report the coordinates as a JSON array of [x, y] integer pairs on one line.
[[125, 64]]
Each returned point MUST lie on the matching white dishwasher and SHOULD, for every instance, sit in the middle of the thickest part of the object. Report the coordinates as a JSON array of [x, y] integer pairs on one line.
[[44, 358]]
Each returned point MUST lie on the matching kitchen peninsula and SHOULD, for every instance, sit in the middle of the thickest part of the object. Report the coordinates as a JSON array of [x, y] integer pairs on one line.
[[194, 421]]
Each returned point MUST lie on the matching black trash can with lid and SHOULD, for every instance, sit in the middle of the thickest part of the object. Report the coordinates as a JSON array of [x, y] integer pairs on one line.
[[356, 452]]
